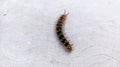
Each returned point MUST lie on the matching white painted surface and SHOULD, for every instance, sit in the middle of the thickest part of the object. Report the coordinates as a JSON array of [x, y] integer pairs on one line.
[[27, 37]]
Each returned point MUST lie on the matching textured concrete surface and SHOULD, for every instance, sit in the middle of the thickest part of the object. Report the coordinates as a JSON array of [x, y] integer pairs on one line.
[[27, 36]]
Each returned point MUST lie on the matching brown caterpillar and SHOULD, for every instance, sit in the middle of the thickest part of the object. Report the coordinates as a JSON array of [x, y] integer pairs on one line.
[[60, 34]]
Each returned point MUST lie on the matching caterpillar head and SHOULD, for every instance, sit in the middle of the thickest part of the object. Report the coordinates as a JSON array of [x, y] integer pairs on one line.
[[69, 48]]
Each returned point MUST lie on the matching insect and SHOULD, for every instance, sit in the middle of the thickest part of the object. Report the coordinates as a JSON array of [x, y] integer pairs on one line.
[[59, 31]]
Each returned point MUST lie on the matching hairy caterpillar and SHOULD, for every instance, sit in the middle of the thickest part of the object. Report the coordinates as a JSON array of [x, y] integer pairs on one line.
[[59, 31]]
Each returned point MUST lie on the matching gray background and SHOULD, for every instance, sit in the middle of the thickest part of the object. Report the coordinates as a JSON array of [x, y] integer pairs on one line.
[[27, 36]]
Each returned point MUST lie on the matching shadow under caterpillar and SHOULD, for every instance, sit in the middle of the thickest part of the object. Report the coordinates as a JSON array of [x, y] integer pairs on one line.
[[59, 31]]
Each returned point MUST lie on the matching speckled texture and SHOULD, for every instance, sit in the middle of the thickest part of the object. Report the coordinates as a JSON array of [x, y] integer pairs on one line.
[[27, 33]]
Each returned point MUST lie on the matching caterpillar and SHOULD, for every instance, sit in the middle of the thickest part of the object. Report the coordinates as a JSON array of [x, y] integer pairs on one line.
[[59, 31]]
